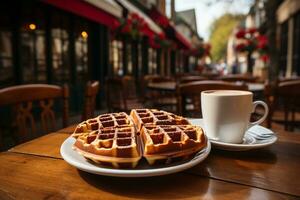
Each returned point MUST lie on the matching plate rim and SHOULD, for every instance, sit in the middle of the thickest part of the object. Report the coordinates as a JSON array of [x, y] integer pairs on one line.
[[132, 172]]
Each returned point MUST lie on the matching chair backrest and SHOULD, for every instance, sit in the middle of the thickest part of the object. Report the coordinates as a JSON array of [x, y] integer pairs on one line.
[[129, 85], [238, 78], [114, 92], [91, 91], [22, 98], [159, 79], [210, 75], [180, 75], [189, 93], [289, 89], [188, 79], [288, 94], [143, 86], [297, 78]]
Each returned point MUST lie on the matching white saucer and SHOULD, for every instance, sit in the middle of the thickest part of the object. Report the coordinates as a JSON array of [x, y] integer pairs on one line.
[[142, 170], [249, 140]]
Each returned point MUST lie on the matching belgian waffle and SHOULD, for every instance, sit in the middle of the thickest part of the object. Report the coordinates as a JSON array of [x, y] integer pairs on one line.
[[113, 139], [166, 143], [115, 146], [157, 117], [103, 121]]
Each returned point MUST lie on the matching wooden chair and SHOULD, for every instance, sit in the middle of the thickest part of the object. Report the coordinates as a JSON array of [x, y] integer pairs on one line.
[[159, 79], [91, 91], [163, 99], [146, 94], [281, 80], [238, 78], [189, 95], [22, 99], [286, 93], [119, 94], [188, 79], [210, 75]]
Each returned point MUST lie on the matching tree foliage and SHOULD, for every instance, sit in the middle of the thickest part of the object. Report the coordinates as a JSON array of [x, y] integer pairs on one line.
[[221, 29]]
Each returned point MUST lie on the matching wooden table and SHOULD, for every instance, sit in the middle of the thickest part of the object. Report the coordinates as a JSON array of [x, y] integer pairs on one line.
[[171, 86], [35, 170]]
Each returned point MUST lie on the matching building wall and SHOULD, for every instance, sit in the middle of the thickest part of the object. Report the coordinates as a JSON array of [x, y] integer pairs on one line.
[[288, 19], [42, 44]]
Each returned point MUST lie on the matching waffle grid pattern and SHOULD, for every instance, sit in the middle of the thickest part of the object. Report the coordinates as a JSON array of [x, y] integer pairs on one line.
[[158, 117], [114, 138]]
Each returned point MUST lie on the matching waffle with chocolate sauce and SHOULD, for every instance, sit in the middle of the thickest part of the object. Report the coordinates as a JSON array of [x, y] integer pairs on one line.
[[113, 139]]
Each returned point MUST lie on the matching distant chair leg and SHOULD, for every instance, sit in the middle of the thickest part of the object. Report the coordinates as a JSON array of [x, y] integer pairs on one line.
[[286, 115], [293, 119], [269, 119]]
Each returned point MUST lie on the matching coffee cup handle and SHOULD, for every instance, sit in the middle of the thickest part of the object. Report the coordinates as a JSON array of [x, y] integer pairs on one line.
[[256, 103]]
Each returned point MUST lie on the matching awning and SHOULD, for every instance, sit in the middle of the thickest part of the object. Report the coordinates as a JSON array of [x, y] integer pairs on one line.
[[169, 29], [109, 6], [87, 10], [153, 28]]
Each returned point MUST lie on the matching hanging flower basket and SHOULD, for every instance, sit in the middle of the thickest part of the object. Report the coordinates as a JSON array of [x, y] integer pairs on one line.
[[251, 40], [160, 41], [201, 50], [134, 26]]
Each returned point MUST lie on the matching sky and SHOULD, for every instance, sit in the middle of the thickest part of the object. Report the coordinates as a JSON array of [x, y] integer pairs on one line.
[[206, 14]]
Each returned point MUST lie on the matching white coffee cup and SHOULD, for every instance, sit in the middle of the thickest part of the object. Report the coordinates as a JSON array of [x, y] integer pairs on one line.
[[226, 114]]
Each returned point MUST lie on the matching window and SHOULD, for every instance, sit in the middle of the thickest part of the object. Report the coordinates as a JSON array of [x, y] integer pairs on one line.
[[283, 48], [296, 45], [33, 56], [116, 57], [152, 61], [81, 50], [60, 48], [129, 59], [33, 51], [6, 69], [6, 59]]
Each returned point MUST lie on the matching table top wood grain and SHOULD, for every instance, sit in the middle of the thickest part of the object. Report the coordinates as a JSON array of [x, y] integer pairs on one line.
[[35, 170]]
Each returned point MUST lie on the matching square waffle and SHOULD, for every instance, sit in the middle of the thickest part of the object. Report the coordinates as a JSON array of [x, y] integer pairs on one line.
[[157, 117], [113, 146], [166, 143], [103, 121], [113, 139]]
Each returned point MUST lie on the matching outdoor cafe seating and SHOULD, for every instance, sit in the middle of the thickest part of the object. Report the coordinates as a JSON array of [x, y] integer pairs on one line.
[[151, 99], [188, 95], [26, 123]]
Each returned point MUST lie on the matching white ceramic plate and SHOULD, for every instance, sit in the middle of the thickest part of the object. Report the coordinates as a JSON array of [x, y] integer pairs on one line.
[[142, 170], [249, 140]]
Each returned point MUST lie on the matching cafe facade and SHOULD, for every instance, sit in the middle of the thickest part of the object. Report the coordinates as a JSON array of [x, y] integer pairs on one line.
[[76, 41]]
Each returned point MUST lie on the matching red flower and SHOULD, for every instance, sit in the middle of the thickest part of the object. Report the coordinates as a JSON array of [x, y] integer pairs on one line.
[[252, 30], [161, 36], [126, 29], [129, 21], [240, 47], [164, 22], [240, 34], [134, 16], [153, 43], [265, 58], [262, 41], [207, 46], [115, 25]]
